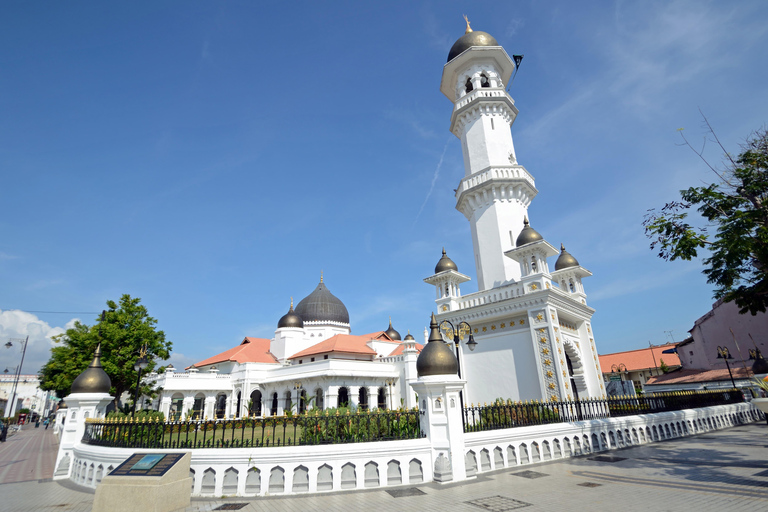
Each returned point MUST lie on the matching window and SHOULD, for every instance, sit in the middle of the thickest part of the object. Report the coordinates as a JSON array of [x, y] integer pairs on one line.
[[325, 356], [300, 361], [484, 82], [312, 360], [468, 86]]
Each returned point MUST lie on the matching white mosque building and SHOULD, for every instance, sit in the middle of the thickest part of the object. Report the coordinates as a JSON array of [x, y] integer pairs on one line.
[[531, 326]]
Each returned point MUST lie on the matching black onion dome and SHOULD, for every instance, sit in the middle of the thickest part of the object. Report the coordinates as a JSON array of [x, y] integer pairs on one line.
[[445, 263], [290, 319], [565, 260], [392, 333], [527, 235], [409, 337], [436, 358], [470, 39], [322, 305], [93, 379]]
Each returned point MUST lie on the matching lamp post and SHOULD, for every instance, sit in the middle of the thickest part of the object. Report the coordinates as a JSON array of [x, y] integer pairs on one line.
[[722, 353], [23, 342], [141, 364], [458, 333]]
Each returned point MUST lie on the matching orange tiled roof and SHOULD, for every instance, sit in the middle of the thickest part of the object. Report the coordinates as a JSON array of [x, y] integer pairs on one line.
[[399, 350], [641, 359], [693, 376], [343, 343], [251, 350]]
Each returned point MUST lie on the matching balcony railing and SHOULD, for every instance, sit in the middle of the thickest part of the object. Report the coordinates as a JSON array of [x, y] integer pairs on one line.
[[522, 414], [306, 429]]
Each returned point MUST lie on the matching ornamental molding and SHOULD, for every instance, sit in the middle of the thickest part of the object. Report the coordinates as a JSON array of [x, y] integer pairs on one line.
[[482, 102]]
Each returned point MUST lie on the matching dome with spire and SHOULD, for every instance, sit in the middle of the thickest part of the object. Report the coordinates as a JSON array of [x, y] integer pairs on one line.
[[409, 337], [436, 357], [290, 319], [527, 235], [445, 263], [93, 379], [469, 39], [391, 332], [321, 305], [565, 260]]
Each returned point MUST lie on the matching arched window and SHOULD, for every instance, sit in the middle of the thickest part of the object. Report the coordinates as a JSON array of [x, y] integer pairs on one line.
[[273, 412], [484, 81], [382, 399], [255, 405], [319, 399], [362, 396], [221, 406], [533, 263], [303, 401], [288, 402], [237, 409], [343, 397], [571, 286], [468, 85]]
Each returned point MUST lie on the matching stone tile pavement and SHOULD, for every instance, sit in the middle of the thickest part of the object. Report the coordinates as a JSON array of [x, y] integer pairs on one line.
[[719, 471]]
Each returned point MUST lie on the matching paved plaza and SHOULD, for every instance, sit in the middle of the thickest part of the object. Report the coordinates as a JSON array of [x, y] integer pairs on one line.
[[718, 471]]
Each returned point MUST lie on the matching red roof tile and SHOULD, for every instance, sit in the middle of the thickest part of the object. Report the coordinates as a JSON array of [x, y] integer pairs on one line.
[[641, 359], [399, 350], [693, 376], [341, 343], [251, 350]]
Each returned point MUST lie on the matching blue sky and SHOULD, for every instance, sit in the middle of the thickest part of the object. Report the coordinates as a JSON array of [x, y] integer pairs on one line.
[[212, 158]]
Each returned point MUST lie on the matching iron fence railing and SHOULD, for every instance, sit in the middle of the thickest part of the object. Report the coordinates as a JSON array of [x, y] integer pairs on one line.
[[306, 429], [520, 414]]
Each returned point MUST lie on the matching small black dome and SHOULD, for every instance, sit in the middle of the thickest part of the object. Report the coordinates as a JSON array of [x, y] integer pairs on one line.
[[527, 235], [436, 358], [290, 319], [322, 305], [445, 263], [392, 333], [470, 39], [409, 337], [93, 379], [565, 260]]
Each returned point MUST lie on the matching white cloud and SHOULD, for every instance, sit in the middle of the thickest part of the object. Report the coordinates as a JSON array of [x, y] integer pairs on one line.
[[17, 325]]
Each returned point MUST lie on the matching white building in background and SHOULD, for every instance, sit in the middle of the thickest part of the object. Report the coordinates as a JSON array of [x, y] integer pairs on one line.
[[28, 395], [532, 325]]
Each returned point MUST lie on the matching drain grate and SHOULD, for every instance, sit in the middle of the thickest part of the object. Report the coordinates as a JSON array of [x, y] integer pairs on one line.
[[231, 506], [402, 493], [590, 484], [498, 503], [607, 458], [529, 474]]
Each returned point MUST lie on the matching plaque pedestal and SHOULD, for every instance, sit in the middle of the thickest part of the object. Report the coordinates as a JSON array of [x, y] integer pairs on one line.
[[165, 487]]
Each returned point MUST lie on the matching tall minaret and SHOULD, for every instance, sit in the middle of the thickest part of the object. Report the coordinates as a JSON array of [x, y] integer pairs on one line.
[[495, 192]]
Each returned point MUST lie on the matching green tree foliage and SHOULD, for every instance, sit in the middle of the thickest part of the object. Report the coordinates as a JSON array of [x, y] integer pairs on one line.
[[735, 209], [126, 328]]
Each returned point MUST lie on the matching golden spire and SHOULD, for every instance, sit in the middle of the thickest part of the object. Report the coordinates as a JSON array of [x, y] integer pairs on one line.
[[321, 276], [291, 302], [469, 29]]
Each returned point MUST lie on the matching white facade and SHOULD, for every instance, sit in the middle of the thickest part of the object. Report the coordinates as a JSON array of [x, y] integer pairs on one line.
[[532, 326], [28, 395]]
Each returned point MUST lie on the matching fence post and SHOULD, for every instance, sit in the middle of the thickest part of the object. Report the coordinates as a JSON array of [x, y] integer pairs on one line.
[[441, 421]]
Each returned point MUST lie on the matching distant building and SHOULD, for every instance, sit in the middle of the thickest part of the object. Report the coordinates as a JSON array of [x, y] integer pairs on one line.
[[28, 395], [721, 332], [637, 366]]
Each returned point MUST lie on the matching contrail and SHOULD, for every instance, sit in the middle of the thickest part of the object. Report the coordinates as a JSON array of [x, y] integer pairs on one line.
[[434, 180]]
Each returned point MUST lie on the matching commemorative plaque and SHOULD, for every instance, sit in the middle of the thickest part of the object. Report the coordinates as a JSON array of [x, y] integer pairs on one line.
[[151, 482]]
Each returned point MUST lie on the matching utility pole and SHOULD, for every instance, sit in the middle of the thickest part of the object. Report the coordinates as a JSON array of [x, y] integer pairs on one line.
[[18, 372], [654, 358]]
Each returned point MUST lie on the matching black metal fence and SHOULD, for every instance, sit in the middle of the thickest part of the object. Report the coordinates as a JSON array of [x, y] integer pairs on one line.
[[307, 429], [520, 414]]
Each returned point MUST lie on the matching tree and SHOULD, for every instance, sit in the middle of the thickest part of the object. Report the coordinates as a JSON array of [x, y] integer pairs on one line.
[[735, 206], [126, 328]]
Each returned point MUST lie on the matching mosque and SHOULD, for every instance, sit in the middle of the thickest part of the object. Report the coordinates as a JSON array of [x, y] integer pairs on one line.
[[528, 329]]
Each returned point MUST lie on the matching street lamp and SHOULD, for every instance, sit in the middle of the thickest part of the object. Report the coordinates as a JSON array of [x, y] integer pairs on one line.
[[457, 333], [141, 364], [722, 353], [23, 342]]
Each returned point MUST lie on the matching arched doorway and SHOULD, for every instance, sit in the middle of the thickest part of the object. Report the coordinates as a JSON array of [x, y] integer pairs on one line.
[[319, 399], [177, 407], [254, 408], [343, 397], [303, 401], [221, 406], [288, 403], [237, 409], [382, 399], [273, 410], [362, 397], [197, 406]]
